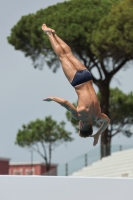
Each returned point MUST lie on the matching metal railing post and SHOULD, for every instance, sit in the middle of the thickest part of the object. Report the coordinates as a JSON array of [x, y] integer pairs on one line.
[[120, 147], [66, 169], [86, 160]]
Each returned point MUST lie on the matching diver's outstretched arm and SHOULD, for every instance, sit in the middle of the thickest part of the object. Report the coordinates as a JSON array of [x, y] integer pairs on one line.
[[66, 104]]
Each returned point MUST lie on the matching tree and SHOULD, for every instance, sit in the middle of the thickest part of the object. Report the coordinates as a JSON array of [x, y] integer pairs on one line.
[[43, 136], [100, 33], [121, 113]]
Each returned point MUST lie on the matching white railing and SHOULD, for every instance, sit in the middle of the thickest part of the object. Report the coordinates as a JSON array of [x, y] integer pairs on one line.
[[87, 159], [116, 165]]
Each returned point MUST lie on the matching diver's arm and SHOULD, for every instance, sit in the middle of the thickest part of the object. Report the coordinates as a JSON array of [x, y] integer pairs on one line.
[[66, 104], [105, 122]]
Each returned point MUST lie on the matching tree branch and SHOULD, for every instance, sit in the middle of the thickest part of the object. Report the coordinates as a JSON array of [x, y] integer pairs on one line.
[[45, 152], [118, 130], [118, 68], [37, 150], [56, 145], [103, 68], [50, 150], [99, 72], [81, 57]]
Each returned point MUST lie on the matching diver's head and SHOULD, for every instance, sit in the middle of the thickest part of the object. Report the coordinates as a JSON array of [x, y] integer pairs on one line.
[[85, 130]]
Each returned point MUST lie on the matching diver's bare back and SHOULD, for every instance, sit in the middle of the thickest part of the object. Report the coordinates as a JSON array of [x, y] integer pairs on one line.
[[88, 108]]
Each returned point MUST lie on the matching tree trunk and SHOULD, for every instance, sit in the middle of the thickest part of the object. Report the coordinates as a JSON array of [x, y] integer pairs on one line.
[[47, 165], [105, 138], [105, 144], [49, 162]]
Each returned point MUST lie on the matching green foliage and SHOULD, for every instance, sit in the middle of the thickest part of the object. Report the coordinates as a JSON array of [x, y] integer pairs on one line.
[[43, 136], [73, 20], [100, 33], [46, 131], [120, 113], [114, 35], [121, 105]]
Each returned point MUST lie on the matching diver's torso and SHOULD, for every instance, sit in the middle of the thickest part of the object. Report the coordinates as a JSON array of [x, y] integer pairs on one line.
[[88, 105]]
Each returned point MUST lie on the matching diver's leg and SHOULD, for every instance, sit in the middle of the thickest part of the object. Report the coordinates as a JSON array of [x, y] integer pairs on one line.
[[77, 63], [68, 68]]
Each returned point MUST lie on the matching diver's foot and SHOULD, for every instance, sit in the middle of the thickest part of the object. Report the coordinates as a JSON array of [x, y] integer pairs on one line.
[[47, 30]]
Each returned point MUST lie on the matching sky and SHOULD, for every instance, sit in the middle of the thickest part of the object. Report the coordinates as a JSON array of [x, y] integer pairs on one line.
[[22, 89]]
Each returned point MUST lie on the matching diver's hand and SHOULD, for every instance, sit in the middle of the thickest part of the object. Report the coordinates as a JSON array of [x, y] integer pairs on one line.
[[96, 138], [48, 98]]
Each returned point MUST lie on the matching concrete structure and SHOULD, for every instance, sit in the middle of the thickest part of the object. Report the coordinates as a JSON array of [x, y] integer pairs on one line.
[[119, 164], [4, 166], [65, 188]]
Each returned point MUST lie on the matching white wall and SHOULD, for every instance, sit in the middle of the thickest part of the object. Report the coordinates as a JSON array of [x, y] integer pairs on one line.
[[64, 188]]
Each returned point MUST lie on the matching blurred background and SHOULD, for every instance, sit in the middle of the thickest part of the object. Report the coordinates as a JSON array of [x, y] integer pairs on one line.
[[23, 88]]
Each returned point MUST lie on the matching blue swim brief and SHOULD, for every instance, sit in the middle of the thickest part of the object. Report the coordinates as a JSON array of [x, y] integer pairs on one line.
[[81, 77]]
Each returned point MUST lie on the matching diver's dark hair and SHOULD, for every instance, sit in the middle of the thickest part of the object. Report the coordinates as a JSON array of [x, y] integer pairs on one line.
[[86, 133]]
